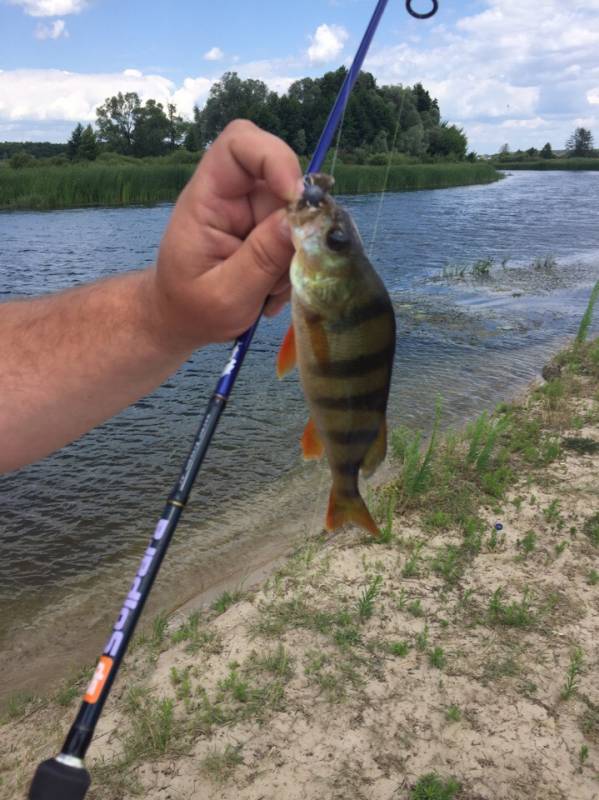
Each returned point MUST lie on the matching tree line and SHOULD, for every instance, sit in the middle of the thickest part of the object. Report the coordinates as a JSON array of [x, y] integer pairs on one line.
[[580, 144], [405, 119]]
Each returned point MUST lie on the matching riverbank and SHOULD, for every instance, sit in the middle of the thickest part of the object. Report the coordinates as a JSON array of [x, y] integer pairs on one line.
[[453, 659], [576, 164], [89, 185]]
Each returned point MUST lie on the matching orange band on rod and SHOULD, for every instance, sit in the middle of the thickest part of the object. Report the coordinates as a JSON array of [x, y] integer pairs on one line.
[[97, 682]]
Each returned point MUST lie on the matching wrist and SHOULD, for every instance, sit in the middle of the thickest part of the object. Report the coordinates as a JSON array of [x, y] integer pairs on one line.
[[160, 322]]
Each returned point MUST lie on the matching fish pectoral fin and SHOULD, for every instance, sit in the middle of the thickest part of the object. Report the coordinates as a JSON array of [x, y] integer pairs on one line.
[[312, 446], [287, 358], [343, 510], [376, 453]]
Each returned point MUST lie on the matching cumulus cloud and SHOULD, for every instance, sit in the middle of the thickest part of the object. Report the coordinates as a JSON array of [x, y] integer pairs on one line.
[[214, 54], [50, 8], [327, 43], [54, 30], [57, 95], [536, 70]]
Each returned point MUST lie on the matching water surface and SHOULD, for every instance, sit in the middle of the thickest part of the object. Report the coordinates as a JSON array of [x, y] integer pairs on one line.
[[75, 524]]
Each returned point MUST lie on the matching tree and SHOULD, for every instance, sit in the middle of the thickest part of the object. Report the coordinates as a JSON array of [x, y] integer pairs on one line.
[[74, 142], [88, 146], [447, 141], [116, 121], [532, 152], [380, 145], [580, 143], [546, 151], [299, 142], [150, 130], [176, 126], [232, 98], [504, 152]]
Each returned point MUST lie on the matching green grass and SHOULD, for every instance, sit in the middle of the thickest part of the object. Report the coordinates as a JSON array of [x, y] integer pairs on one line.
[[551, 164], [143, 183], [432, 787], [587, 318], [514, 614], [453, 714], [225, 601], [219, 765], [365, 605], [572, 674]]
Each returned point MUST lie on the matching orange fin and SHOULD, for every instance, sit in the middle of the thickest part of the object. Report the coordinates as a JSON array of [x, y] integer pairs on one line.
[[312, 446], [344, 510], [376, 453], [287, 358]]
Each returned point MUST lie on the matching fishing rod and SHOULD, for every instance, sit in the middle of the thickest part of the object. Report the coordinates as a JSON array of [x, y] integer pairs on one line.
[[65, 777]]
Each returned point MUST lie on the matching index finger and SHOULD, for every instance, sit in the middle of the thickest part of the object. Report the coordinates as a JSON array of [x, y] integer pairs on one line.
[[243, 154]]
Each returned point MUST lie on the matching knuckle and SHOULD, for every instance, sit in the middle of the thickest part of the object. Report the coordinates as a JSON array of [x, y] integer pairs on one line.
[[239, 127]]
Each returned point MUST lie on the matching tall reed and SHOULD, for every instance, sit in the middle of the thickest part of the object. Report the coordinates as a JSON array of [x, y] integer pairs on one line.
[[117, 184]]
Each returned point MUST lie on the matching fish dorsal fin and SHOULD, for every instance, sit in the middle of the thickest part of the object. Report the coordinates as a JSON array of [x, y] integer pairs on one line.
[[312, 446], [287, 358], [343, 510], [376, 453]]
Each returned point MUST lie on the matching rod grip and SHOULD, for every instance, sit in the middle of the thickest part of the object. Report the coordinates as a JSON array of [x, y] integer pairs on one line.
[[56, 781]]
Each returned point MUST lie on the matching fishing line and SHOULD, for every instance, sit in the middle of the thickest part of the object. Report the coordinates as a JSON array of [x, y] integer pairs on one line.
[[385, 184]]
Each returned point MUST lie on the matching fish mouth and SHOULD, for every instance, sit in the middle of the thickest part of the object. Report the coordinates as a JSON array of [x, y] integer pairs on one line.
[[315, 202]]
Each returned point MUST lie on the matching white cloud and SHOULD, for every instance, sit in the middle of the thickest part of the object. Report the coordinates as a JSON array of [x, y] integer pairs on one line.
[[214, 54], [54, 30], [327, 43], [50, 8], [534, 67], [56, 95]]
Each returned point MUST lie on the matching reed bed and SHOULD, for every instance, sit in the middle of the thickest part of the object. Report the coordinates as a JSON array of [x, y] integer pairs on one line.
[[45, 188], [79, 185]]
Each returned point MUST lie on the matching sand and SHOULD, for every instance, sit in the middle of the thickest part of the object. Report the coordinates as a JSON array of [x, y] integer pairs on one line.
[[292, 693]]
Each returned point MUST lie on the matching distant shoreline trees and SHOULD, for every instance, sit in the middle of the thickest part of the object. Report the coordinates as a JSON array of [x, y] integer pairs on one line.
[[378, 119]]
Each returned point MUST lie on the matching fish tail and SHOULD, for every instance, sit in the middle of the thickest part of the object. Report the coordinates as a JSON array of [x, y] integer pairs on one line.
[[343, 510]]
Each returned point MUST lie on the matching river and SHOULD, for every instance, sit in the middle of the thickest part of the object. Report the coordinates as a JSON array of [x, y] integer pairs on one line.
[[75, 524]]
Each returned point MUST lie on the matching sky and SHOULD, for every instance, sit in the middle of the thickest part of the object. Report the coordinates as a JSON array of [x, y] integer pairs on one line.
[[522, 72]]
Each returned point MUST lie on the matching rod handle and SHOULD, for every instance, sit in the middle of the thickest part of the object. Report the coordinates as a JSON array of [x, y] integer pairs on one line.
[[56, 781]]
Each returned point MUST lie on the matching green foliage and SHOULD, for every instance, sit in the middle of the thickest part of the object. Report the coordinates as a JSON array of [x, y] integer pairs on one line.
[[572, 674], [593, 577], [432, 787], [591, 529], [400, 649], [437, 658], [219, 765], [587, 318], [368, 596], [453, 714], [152, 725], [583, 754], [21, 159], [546, 151], [514, 614], [580, 144], [225, 601]]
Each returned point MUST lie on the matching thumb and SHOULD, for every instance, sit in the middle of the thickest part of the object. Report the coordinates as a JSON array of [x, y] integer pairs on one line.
[[253, 271]]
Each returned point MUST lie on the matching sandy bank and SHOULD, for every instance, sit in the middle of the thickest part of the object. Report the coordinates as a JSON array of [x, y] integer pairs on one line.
[[358, 668]]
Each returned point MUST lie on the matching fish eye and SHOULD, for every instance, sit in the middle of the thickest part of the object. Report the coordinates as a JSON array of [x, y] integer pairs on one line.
[[337, 239]]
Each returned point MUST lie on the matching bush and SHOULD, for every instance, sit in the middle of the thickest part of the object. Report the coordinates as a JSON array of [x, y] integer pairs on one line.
[[21, 159]]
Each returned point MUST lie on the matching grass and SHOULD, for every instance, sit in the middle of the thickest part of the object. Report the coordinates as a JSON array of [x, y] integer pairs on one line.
[[152, 725], [572, 674], [453, 714], [514, 614], [366, 600], [219, 765], [400, 649], [432, 787], [225, 601], [143, 183], [591, 529], [585, 323]]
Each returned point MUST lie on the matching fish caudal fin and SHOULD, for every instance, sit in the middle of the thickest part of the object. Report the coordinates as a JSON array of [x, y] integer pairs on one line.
[[286, 359], [344, 510], [312, 446]]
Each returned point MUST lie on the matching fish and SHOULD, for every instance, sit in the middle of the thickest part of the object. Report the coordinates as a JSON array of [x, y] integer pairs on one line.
[[342, 339]]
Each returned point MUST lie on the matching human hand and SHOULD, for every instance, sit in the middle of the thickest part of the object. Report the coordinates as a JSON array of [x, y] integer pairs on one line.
[[227, 247]]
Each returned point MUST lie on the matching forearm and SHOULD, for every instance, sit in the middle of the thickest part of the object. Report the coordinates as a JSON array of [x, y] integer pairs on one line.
[[72, 360]]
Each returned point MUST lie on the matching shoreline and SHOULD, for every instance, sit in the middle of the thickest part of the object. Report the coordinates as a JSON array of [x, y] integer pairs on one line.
[[123, 186], [359, 669]]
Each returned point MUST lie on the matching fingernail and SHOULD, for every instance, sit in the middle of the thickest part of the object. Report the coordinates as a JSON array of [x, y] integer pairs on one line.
[[300, 186]]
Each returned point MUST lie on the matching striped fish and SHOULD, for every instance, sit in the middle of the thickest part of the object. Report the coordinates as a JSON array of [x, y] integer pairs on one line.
[[342, 338]]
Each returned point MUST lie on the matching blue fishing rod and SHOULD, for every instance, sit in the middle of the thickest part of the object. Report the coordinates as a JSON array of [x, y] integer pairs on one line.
[[65, 777]]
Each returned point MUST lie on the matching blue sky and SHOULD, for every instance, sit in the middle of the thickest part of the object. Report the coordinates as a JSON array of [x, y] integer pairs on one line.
[[507, 71]]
